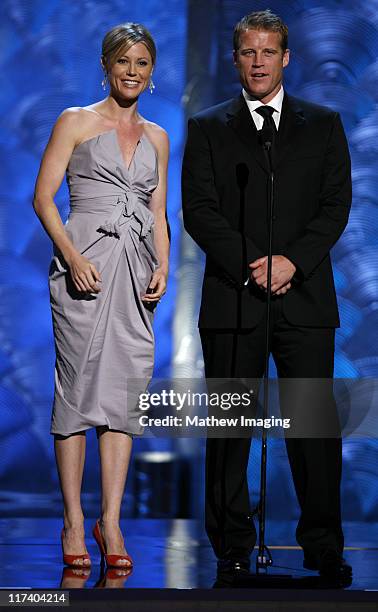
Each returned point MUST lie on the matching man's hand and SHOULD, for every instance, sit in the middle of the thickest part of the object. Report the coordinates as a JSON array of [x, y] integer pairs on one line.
[[282, 272]]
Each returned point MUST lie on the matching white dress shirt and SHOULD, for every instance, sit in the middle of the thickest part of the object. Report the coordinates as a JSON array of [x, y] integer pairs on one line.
[[275, 103]]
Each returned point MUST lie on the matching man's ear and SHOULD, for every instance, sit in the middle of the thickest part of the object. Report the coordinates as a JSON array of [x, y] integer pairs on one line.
[[235, 57], [286, 58]]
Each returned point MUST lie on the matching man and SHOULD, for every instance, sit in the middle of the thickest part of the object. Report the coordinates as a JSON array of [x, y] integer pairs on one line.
[[225, 183]]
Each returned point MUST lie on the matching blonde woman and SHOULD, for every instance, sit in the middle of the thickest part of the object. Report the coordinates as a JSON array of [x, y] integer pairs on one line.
[[108, 272]]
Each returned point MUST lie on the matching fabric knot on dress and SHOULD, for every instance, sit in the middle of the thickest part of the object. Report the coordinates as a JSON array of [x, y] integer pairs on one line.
[[129, 209]]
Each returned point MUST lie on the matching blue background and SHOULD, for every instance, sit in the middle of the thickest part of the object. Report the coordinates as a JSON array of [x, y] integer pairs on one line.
[[49, 61]]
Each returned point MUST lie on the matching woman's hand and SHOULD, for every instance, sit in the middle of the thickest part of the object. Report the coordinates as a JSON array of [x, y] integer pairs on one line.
[[84, 274], [157, 287]]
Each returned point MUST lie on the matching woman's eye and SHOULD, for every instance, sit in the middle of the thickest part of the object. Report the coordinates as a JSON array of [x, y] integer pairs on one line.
[[143, 63]]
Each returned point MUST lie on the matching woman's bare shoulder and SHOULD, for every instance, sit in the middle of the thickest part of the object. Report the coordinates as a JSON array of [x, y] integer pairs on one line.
[[155, 130], [157, 135], [73, 114], [74, 122]]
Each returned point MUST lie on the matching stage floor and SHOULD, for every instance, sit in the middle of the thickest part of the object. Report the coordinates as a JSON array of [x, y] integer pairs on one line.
[[168, 554]]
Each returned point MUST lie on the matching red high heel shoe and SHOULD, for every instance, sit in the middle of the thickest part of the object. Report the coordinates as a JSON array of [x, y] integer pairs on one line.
[[111, 560], [70, 559]]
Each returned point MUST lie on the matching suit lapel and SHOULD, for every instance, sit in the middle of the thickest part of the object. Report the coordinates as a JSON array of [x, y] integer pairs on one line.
[[291, 123], [292, 120], [240, 120]]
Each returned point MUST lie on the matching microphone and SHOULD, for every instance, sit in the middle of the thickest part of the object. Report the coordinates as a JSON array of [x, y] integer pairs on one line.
[[266, 136]]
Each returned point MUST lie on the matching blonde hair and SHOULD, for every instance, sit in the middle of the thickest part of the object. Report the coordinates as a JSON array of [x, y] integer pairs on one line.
[[122, 37], [261, 20]]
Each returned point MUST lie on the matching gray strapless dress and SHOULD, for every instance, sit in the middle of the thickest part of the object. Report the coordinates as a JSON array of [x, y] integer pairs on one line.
[[104, 340]]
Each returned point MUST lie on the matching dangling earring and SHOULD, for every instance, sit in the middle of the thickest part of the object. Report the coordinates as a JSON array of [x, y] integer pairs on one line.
[[104, 81], [151, 86]]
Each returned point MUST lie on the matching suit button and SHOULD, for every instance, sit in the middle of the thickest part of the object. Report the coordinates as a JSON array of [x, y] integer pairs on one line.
[[274, 217]]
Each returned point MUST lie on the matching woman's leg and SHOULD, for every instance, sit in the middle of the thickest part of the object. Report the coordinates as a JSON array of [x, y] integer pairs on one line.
[[115, 451], [70, 457]]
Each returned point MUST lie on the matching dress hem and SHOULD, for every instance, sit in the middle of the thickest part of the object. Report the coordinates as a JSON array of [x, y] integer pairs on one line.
[[70, 433]]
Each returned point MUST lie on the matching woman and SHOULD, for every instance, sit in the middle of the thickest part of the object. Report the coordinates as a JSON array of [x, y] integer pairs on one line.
[[109, 270]]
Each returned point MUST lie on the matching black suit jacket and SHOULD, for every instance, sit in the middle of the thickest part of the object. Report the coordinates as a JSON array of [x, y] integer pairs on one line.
[[225, 202]]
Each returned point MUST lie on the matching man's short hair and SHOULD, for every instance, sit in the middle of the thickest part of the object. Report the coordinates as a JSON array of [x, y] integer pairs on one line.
[[261, 20]]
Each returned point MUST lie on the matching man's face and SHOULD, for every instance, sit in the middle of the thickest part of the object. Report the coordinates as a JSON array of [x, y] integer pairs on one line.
[[260, 62]]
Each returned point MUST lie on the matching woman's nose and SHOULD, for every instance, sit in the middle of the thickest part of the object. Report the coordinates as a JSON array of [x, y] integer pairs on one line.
[[131, 69]]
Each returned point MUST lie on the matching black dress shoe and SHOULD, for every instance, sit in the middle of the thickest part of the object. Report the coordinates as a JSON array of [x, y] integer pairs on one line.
[[233, 566], [330, 564]]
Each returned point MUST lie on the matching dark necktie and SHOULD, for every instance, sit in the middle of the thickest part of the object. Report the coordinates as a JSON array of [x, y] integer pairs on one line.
[[266, 113]]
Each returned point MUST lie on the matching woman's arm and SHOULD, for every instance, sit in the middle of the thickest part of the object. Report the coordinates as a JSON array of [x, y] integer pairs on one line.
[[64, 137], [158, 200]]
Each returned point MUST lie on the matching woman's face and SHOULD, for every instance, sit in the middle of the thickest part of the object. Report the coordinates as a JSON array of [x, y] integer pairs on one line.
[[131, 72]]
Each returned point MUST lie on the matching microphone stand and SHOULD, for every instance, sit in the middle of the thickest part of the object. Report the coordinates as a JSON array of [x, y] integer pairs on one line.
[[264, 557]]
